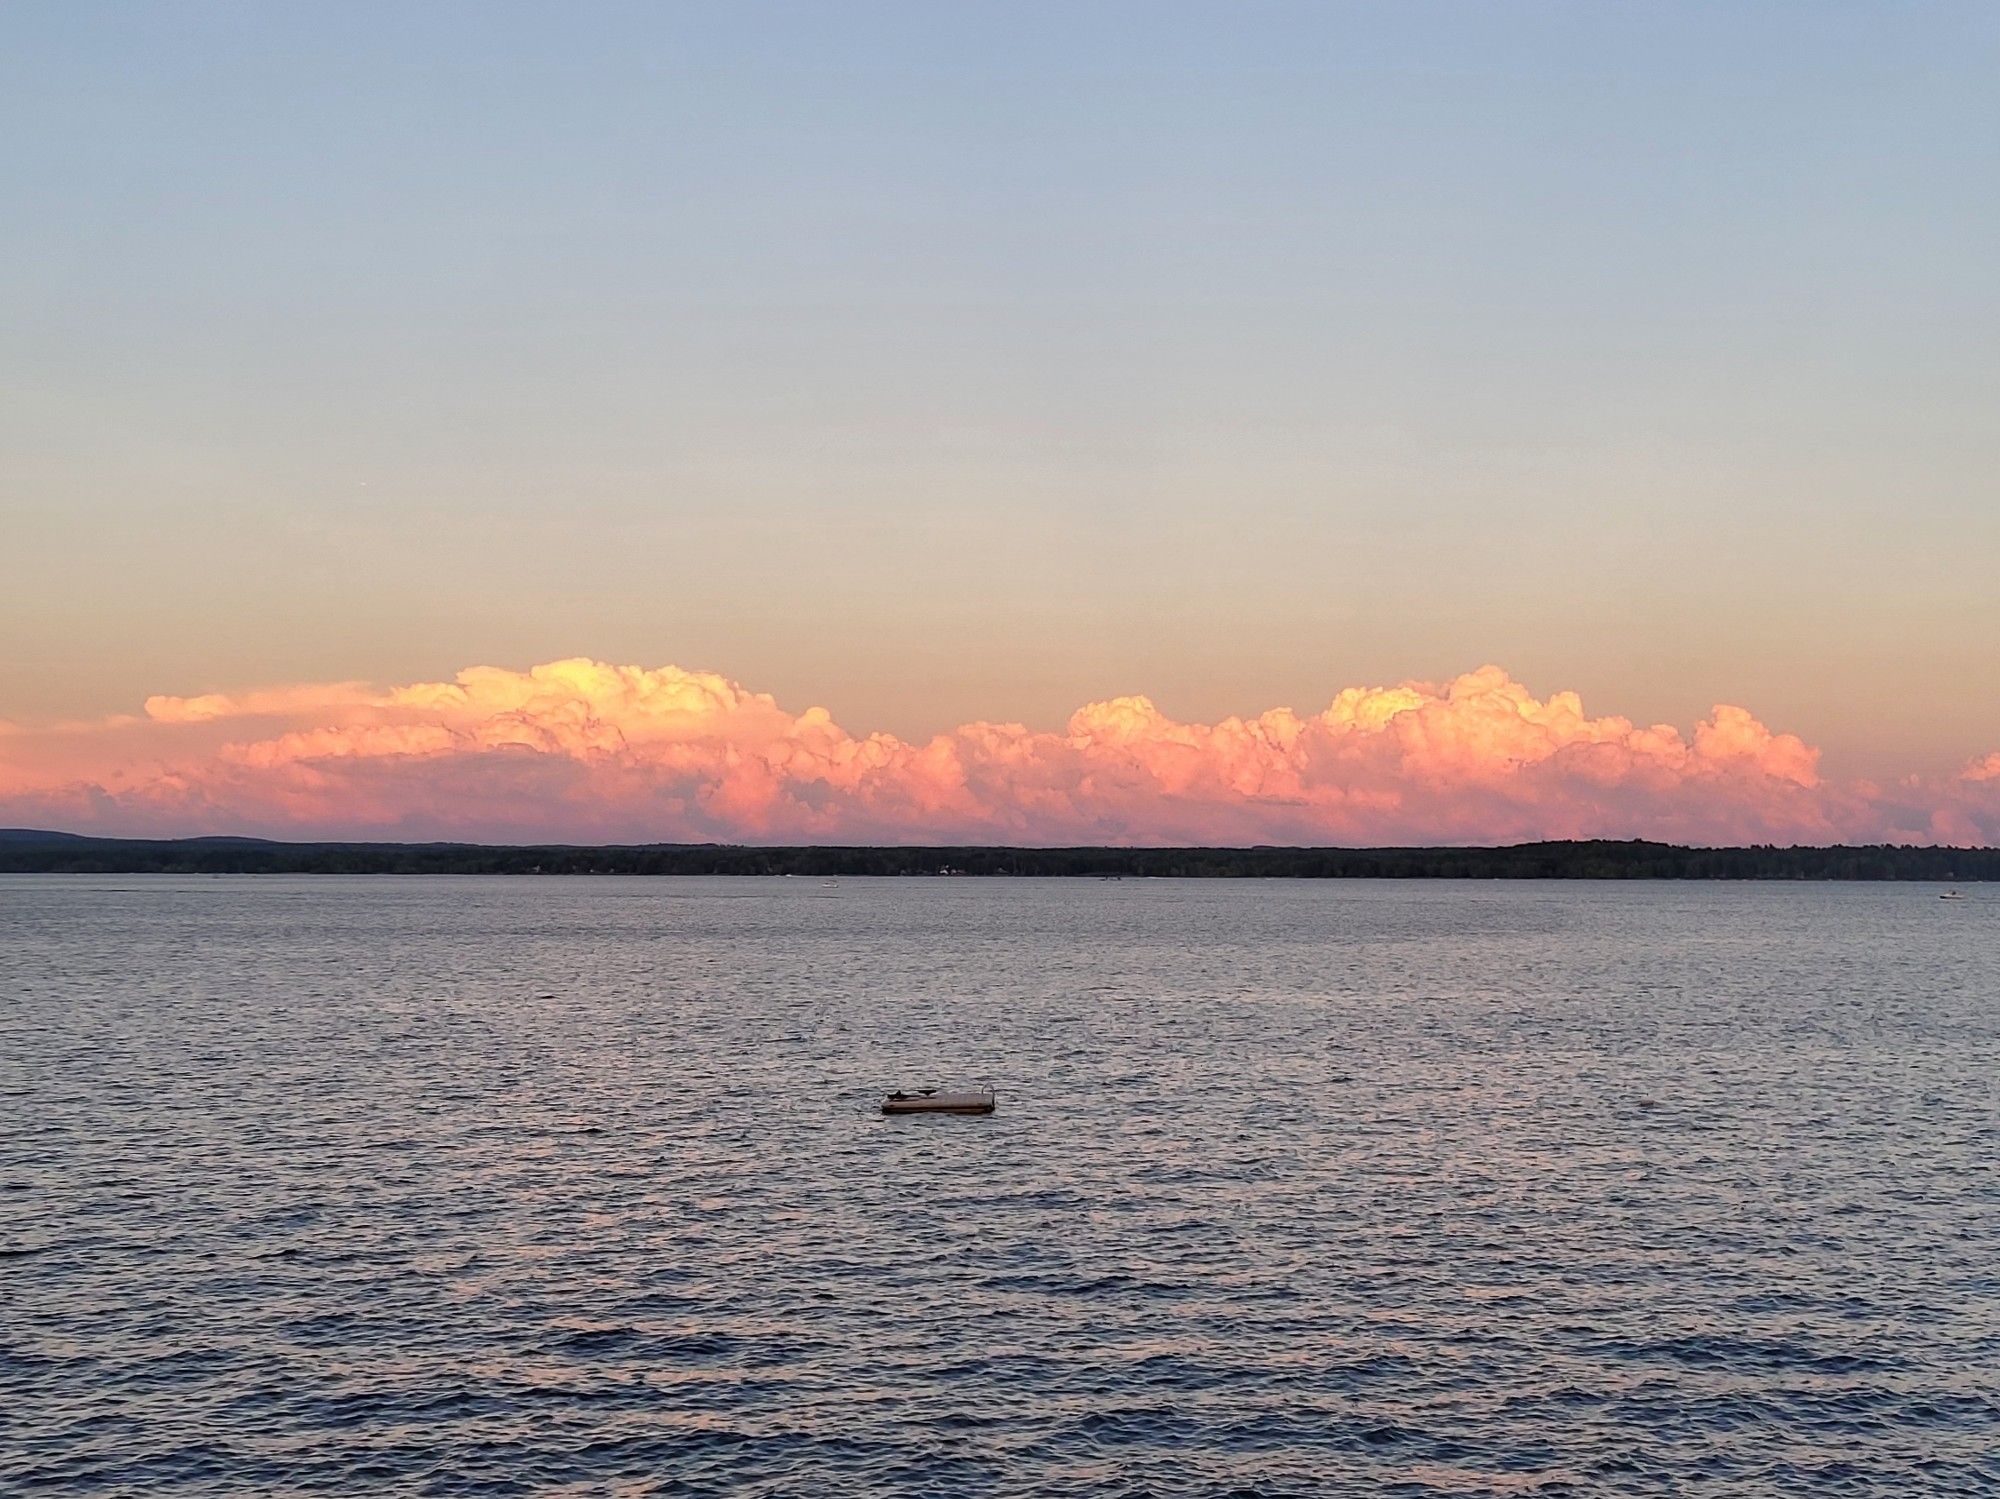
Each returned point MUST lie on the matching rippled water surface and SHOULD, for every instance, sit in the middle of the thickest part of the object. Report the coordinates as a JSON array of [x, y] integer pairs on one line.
[[577, 1186]]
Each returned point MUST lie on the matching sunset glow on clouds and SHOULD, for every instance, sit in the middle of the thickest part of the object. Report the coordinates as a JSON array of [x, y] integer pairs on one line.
[[582, 751]]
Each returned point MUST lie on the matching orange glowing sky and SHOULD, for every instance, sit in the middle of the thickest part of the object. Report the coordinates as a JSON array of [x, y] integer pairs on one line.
[[579, 750], [951, 363]]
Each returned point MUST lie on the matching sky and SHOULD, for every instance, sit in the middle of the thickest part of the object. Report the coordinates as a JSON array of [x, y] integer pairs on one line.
[[940, 367]]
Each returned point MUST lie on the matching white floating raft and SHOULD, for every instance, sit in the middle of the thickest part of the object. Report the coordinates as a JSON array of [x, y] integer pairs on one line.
[[931, 1101]]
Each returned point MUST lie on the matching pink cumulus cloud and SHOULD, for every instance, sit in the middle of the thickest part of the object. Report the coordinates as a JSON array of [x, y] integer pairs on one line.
[[579, 750]]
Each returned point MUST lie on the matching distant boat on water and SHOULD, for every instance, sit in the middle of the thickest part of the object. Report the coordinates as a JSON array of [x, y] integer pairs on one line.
[[931, 1101], [1952, 895]]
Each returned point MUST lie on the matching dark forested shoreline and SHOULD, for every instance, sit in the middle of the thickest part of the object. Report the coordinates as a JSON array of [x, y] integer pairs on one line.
[[30, 851]]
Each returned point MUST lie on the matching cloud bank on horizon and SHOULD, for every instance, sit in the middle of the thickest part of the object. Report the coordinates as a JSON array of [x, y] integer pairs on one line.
[[582, 751]]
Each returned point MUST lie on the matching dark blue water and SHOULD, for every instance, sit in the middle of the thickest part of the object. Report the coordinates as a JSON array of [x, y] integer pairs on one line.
[[576, 1186]]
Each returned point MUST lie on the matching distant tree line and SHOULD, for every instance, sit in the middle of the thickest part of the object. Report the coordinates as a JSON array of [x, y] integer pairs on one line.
[[23, 851]]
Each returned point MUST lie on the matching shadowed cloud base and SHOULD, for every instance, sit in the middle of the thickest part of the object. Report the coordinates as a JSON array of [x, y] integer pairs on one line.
[[578, 750]]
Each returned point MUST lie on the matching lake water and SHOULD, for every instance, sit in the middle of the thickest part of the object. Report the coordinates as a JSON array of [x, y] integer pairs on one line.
[[460, 1186]]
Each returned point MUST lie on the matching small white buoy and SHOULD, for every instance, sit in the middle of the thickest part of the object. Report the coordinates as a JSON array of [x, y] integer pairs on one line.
[[931, 1101]]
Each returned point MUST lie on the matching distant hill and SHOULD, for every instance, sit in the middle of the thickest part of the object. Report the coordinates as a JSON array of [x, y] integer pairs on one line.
[[30, 851]]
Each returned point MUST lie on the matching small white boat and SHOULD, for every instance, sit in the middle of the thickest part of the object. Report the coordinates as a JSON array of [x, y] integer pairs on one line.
[[931, 1101], [1952, 895]]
